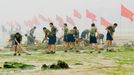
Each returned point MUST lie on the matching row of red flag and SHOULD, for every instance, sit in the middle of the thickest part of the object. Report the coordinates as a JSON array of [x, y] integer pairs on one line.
[[125, 12]]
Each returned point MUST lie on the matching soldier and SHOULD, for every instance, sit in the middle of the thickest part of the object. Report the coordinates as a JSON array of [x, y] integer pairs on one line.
[[52, 38], [29, 39], [18, 39], [100, 38], [93, 38], [47, 39], [110, 34], [71, 39], [12, 40], [32, 36], [84, 36], [65, 44], [76, 35]]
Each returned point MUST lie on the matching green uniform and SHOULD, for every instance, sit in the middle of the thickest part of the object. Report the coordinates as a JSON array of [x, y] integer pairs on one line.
[[52, 38], [110, 32], [65, 31], [47, 33], [93, 38], [65, 34], [53, 30], [111, 29], [84, 34], [93, 31]]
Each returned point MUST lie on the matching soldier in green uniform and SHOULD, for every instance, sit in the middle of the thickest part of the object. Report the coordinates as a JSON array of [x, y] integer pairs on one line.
[[84, 36], [53, 37], [47, 39], [93, 38], [110, 34], [65, 43], [76, 35], [71, 39], [18, 39], [31, 34]]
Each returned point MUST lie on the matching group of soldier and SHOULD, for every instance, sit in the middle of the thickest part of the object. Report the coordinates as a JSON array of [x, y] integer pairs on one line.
[[71, 39]]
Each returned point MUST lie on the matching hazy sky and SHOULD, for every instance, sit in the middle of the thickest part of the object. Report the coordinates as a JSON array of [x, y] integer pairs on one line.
[[21, 10]]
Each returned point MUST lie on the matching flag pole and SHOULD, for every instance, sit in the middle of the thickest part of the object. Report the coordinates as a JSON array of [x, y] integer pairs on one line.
[[120, 20]]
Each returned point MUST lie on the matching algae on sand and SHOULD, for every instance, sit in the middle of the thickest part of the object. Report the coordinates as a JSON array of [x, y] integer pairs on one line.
[[60, 65], [17, 65]]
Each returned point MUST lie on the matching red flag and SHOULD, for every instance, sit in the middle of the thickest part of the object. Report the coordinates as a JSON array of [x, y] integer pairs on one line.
[[70, 20], [49, 20], [90, 15], [43, 18], [126, 13], [28, 23], [35, 21], [77, 14], [60, 20], [105, 22]]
